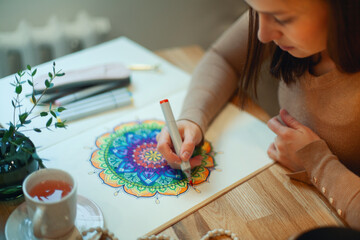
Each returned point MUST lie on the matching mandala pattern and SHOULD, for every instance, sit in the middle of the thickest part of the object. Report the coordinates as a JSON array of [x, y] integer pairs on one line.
[[128, 159]]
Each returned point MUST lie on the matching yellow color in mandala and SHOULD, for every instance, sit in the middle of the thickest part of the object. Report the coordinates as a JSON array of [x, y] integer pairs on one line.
[[129, 160]]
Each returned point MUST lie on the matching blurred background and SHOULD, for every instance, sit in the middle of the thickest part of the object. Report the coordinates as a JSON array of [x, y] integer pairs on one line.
[[36, 31]]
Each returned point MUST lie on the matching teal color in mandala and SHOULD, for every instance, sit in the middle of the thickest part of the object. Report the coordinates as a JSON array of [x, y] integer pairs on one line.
[[130, 160]]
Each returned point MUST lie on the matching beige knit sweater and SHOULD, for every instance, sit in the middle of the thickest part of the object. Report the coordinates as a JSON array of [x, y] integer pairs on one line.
[[328, 104]]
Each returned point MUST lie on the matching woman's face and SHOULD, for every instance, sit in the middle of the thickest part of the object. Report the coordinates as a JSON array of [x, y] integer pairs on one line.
[[296, 26]]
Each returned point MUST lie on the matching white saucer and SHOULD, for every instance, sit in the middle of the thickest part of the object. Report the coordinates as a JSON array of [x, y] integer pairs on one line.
[[88, 215]]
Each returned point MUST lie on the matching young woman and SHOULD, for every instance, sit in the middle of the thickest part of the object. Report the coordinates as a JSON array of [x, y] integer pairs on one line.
[[313, 47]]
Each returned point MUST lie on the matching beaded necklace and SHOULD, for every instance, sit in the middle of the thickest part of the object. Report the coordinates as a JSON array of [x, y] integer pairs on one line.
[[104, 234]]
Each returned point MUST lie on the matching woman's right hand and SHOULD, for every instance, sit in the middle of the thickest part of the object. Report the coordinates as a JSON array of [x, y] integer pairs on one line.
[[191, 136]]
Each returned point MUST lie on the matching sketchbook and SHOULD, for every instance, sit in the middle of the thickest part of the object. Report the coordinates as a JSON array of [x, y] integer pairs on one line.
[[117, 166]]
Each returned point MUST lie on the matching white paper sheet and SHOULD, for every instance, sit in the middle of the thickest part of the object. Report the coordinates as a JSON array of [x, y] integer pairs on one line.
[[241, 138]]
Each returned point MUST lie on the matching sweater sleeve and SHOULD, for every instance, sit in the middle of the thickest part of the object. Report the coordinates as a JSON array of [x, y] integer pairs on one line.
[[215, 79], [338, 184]]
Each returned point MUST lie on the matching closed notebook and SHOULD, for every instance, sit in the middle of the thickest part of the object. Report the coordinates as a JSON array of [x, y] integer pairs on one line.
[[101, 74]]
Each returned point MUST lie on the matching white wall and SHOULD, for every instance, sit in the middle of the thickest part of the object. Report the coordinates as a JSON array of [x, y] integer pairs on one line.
[[155, 24]]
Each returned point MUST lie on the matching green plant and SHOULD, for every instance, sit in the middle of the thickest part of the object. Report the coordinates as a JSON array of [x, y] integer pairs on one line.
[[14, 145]]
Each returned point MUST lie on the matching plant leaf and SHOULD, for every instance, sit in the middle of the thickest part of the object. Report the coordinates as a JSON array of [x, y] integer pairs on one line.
[[19, 140], [8, 133], [28, 67], [37, 130], [20, 73], [53, 113], [47, 83], [33, 98], [18, 89], [60, 109], [50, 74], [11, 128], [60, 74], [43, 114], [49, 122], [22, 117], [34, 72], [60, 125], [13, 103], [30, 83]]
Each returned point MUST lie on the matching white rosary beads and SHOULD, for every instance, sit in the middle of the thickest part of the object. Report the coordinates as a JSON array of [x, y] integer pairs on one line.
[[207, 236], [106, 235], [103, 233], [219, 232], [155, 237]]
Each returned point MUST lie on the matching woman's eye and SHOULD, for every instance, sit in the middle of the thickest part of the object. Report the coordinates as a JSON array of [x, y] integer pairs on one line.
[[283, 22]]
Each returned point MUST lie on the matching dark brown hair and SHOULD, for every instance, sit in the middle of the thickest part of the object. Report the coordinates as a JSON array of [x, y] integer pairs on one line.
[[343, 45]]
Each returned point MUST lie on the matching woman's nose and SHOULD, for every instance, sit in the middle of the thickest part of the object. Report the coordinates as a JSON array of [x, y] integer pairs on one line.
[[268, 31]]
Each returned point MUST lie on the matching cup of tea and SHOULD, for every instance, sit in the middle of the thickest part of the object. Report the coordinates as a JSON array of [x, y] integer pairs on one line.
[[50, 196]]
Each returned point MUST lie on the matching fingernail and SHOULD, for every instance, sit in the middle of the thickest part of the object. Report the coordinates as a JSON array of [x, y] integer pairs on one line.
[[185, 155]]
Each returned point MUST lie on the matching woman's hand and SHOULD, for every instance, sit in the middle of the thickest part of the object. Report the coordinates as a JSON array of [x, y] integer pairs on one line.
[[291, 137], [191, 135]]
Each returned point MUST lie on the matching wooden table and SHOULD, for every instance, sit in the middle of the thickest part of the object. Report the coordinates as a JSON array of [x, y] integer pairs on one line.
[[266, 205]]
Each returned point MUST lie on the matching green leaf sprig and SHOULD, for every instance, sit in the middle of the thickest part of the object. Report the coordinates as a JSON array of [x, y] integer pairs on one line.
[[14, 145], [21, 119]]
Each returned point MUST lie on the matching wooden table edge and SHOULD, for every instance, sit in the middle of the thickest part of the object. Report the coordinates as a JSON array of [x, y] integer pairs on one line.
[[208, 200]]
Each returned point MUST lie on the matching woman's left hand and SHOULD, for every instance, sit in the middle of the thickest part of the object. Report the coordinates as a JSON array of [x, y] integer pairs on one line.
[[291, 137]]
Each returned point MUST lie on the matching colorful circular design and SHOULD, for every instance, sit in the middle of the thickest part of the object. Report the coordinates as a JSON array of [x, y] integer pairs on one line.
[[129, 160]]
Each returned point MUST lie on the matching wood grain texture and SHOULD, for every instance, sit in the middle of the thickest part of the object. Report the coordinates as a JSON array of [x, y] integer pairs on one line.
[[185, 58], [207, 201], [267, 206]]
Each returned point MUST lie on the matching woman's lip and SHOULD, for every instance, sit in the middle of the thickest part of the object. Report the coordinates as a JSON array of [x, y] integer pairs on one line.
[[285, 48]]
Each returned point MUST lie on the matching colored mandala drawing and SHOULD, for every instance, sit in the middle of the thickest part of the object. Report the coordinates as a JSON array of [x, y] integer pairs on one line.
[[129, 160]]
